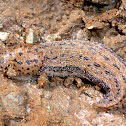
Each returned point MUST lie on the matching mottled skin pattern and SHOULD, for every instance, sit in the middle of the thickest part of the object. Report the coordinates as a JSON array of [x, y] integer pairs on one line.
[[90, 60]]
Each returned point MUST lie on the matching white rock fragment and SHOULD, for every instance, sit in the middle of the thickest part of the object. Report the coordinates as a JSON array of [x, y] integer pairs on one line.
[[1, 26], [91, 27], [30, 37], [4, 35]]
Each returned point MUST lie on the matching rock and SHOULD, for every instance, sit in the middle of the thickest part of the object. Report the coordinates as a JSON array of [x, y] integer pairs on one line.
[[14, 104], [124, 4], [106, 2], [30, 37], [4, 35]]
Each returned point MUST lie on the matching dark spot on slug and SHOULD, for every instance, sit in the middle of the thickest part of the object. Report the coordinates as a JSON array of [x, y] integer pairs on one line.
[[118, 89], [106, 58], [15, 60], [91, 58], [42, 61], [19, 63], [120, 100], [36, 50], [124, 78], [6, 68], [56, 69], [71, 56], [117, 94], [115, 65], [54, 58], [90, 48], [96, 64], [45, 46], [124, 96], [115, 80], [20, 53], [88, 65], [96, 72], [62, 43], [42, 68], [28, 62], [28, 73], [100, 53], [25, 46], [86, 58], [28, 68], [46, 58], [62, 55], [19, 70], [50, 52], [35, 61], [28, 52], [108, 72], [67, 51], [80, 56]]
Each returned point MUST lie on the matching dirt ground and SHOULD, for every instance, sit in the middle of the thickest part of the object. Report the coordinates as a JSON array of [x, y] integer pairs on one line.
[[23, 103]]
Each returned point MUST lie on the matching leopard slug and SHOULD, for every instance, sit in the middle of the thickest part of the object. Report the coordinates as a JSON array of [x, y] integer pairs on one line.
[[84, 59]]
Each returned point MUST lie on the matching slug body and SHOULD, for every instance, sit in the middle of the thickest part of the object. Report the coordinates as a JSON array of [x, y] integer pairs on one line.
[[84, 59]]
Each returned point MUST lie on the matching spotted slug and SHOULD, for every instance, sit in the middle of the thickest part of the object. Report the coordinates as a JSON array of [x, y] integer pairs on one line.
[[84, 59]]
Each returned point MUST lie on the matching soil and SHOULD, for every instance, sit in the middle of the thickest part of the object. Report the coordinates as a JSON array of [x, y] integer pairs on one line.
[[22, 103]]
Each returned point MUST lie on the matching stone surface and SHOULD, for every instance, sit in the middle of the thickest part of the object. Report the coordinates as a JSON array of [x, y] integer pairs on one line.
[[100, 1]]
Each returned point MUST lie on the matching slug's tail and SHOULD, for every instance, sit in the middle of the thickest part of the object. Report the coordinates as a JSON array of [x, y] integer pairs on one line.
[[112, 100]]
